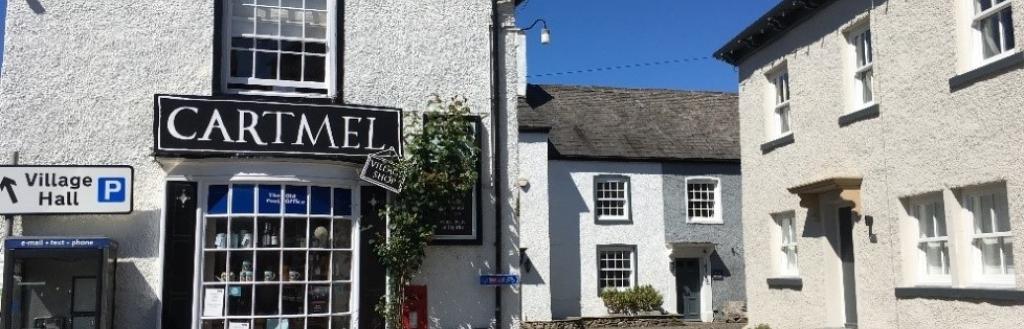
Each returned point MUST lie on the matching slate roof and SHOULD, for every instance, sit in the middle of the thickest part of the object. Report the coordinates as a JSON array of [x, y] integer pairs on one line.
[[587, 122], [778, 21]]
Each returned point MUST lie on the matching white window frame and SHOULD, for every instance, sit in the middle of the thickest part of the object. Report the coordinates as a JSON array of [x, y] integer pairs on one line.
[[785, 225], [782, 114], [200, 284], [918, 209], [978, 37], [631, 250], [626, 206], [862, 47], [716, 198], [970, 201], [281, 87]]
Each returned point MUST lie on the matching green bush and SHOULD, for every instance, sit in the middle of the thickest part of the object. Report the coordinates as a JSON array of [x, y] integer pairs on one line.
[[633, 300]]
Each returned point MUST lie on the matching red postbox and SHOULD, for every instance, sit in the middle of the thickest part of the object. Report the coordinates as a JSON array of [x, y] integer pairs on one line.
[[414, 312]]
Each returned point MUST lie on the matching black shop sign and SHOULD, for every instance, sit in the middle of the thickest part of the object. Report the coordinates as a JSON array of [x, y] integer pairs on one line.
[[196, 126]]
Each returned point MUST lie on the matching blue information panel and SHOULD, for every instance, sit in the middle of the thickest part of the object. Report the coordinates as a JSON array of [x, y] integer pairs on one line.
[[57, 243], [499, 279]]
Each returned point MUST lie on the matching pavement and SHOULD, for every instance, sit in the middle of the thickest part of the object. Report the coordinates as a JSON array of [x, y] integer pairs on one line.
[[697, 325]]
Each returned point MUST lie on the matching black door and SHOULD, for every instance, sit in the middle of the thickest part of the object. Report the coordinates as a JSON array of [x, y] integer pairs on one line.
[[688, 286], [179, 255], [846, 254], [371, 272]]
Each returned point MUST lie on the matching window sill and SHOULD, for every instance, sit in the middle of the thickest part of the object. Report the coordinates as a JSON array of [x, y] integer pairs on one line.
[[706, 221], [868, 112], [994, 294], [795, 283], [613, 221], [777, 143], [987, 70]]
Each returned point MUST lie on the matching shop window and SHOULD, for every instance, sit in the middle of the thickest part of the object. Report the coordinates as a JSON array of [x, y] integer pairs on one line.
[[611, 198], [281, 47], [616, 267], [703, 200], [277, 256]]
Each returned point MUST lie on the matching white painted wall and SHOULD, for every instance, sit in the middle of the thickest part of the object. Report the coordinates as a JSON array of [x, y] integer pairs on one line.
[[533, 225], [575, 236], [77, 87], [927, 139]]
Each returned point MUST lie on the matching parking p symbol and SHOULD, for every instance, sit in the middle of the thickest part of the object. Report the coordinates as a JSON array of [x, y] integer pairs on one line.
[[111, 189]]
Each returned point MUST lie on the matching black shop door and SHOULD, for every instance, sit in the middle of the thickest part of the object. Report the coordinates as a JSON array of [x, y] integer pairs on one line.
[[688, 287]]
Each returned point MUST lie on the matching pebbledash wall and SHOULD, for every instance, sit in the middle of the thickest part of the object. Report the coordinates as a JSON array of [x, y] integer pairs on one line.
[[78, 86], [943, 126]]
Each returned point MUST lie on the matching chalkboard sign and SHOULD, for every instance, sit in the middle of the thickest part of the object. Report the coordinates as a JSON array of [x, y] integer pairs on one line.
[[461, 226]]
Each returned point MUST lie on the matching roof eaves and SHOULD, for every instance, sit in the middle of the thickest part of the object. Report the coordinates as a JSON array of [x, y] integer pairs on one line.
[[768, 28]]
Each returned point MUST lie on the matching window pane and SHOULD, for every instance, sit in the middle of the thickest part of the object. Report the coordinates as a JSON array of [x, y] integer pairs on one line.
[[1001, 213], [937, 257], [267, 21], [939, 215], [868, 47], [291, 23], [990, 255], [291, 67], [268, 2], [316, 4], [783, 114], [867, 94], [316, 47], [291, 3], [267, 44], [292, 46], [982, 5], [315, 69], [990, 36], [241, 63], [266, 65], [316, 25], [1007, 22], [239, 42], [1008, 252]]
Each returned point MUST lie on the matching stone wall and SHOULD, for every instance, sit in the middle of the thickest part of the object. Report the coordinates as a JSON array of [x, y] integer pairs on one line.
[[610, 322]]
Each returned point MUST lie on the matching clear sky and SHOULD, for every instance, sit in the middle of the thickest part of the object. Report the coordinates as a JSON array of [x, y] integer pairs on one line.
[[590, 34]]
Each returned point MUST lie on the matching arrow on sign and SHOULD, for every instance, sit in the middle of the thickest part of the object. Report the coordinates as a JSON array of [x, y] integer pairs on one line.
[[8, 184]]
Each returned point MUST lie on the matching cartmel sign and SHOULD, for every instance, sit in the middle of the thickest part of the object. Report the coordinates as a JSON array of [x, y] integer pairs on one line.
[[29, 190], [195, 126]]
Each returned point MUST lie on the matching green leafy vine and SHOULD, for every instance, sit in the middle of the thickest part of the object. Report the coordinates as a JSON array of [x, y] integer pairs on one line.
[[439, 167]]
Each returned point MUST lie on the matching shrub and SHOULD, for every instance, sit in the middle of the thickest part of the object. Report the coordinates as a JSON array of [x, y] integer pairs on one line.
[[633, 300]]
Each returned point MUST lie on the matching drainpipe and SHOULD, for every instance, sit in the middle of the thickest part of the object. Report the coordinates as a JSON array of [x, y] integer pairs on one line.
[[496, 129]]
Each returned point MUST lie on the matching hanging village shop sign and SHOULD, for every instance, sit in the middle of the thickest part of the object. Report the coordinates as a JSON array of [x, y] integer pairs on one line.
[[194, 126]]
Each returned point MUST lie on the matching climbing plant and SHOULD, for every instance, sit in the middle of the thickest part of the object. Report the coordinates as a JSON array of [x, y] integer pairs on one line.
[[438, 168]]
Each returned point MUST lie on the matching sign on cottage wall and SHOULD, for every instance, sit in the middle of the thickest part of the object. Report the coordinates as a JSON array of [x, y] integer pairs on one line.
[[27, 190], [380, 169], [461, 225], [196, 126]]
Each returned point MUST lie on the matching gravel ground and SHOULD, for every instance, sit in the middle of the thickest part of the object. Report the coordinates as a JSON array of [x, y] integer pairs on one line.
[[713, 325]]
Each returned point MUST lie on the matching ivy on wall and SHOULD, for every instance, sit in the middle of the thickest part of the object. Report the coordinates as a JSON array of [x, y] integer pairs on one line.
[[439, 168]]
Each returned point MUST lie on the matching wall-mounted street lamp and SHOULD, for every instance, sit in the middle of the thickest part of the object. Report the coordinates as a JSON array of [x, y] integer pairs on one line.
[[545, 33]]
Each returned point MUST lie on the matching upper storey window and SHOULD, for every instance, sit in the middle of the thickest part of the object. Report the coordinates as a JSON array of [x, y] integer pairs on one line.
[[279, 46], [993, 26], [863, 67], [781, 82]]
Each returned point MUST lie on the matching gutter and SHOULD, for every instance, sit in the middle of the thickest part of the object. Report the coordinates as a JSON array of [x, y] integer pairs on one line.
[[496, 129]]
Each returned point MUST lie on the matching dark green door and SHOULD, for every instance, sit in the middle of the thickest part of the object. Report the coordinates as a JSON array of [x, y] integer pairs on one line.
[[688, 287]]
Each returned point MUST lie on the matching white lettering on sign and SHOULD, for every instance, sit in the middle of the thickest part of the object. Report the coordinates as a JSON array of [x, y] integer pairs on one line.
[[65, 189]]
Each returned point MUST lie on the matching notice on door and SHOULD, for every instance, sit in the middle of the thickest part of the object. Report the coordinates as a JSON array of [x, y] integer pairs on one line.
[[29, 190]]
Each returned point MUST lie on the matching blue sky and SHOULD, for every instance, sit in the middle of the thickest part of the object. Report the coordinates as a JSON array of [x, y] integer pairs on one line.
[[588, 34]]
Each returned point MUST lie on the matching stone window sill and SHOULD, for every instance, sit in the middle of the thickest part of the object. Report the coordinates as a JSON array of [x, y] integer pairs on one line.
[[777, 143], [866, 113], [794, 283], [992, 294], [991, 69]]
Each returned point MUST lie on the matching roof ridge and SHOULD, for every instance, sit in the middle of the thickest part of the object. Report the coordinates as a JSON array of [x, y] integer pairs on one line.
[[616, 88]]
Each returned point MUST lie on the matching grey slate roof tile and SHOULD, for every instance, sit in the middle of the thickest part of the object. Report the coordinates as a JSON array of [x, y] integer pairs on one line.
[[633, 124]]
